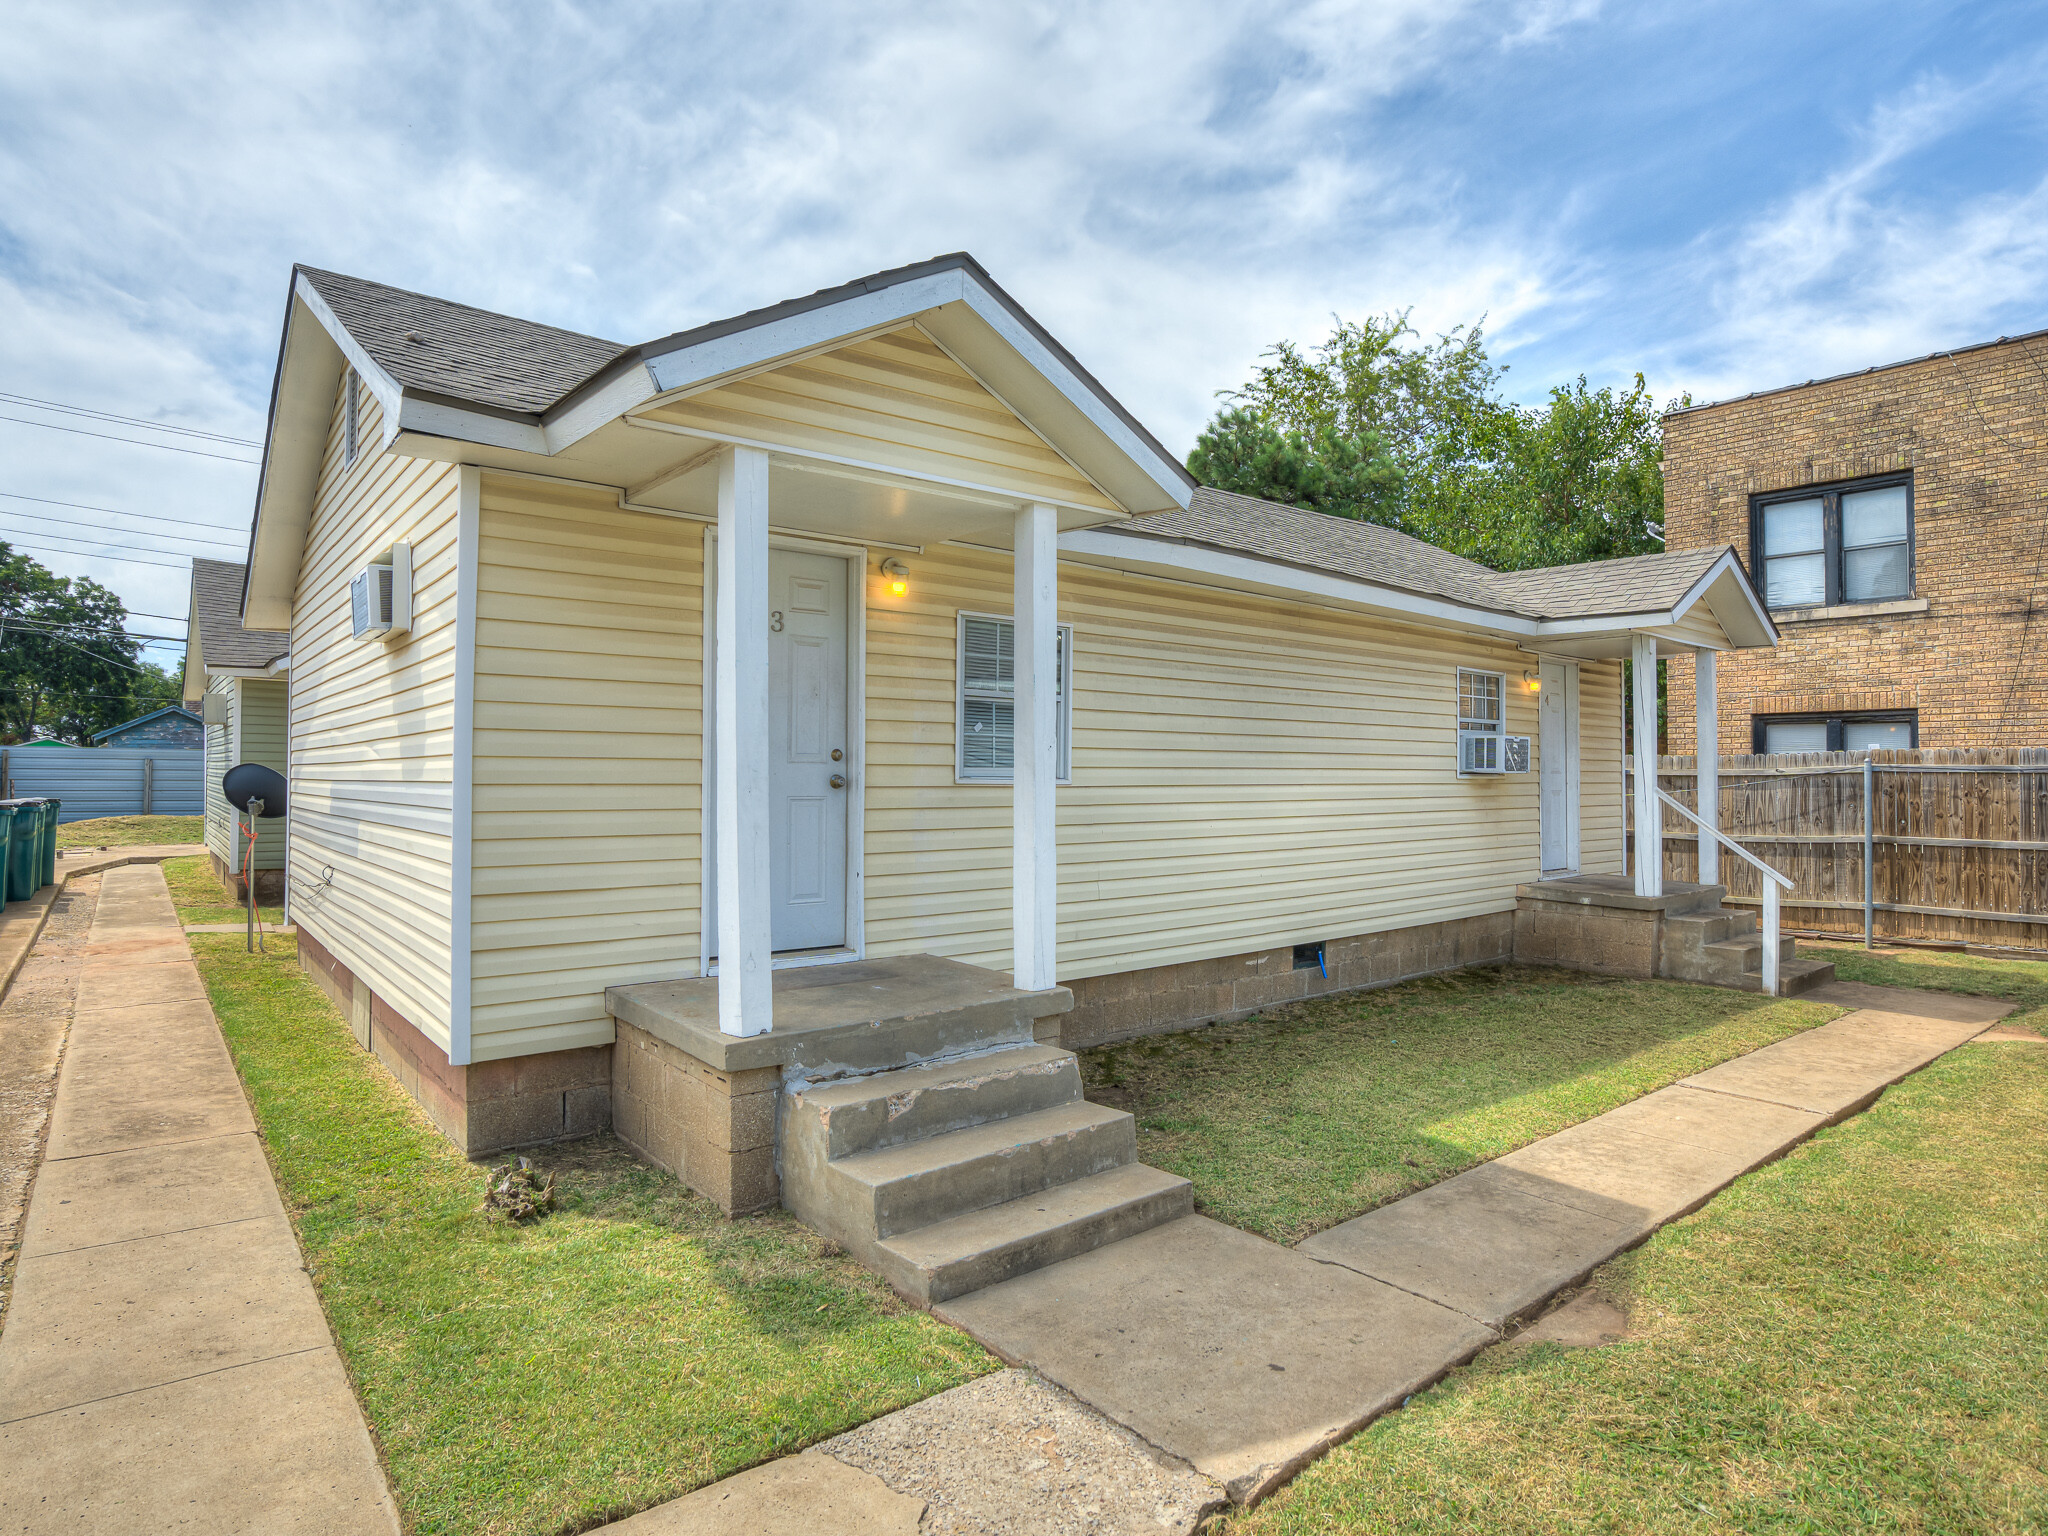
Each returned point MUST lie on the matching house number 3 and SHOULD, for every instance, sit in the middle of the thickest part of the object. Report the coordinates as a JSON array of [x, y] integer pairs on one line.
[[775, 621]]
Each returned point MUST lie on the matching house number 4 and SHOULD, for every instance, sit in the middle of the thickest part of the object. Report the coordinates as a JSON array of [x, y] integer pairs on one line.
[[775, 621]]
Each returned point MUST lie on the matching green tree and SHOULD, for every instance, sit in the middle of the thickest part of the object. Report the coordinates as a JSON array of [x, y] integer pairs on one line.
[[1323, 470], [67, 664], [1451, 461]]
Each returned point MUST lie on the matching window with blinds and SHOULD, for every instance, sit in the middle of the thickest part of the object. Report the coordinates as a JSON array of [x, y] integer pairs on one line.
[[1828, 545], [986, 747]]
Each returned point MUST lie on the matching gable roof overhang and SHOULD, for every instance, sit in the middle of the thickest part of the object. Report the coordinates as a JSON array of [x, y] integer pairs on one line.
[[1720, 610], [585, 435]]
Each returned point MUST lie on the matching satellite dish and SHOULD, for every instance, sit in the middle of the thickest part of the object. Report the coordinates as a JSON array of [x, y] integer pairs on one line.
[[252, 781]]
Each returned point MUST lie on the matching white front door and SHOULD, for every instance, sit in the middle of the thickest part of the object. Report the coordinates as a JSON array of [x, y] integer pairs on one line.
[[807, 768], [1558, 764]]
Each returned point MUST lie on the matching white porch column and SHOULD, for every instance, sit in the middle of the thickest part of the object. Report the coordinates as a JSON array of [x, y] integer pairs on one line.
[[745, 1004], [1649, 814], [1034, 859], [1706, 714]]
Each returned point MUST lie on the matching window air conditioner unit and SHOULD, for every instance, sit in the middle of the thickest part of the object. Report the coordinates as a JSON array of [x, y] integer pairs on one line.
[[1517, 754], [380, 595], [1479, 752]]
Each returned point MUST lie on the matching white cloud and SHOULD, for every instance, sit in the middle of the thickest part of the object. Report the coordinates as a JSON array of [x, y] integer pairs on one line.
[[1863, 267]]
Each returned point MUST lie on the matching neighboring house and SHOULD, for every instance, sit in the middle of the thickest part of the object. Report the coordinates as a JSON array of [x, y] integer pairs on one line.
[[172, 726], [238, 678], [855, 630], [1896, 521]]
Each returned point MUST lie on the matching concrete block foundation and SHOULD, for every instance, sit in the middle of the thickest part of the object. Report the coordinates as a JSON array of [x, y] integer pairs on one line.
[[1171, 997], [487, 1106], [269, 882]]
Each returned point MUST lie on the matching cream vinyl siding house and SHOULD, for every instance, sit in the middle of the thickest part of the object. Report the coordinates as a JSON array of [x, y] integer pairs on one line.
[[373, 728], [236, 679], [510, 806]]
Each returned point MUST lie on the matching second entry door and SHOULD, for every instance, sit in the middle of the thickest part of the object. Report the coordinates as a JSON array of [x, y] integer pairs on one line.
[[808, 767]]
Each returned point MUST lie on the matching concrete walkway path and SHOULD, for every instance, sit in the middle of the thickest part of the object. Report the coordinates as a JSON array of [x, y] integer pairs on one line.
[[164, 1363], [1247, 1360]]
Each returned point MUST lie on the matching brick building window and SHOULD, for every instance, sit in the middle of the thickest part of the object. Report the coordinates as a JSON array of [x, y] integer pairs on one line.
[[1835, 733], [1823, 546]]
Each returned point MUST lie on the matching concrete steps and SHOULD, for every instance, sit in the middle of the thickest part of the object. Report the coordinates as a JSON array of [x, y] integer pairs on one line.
[[955, 1174], [1721, 947]]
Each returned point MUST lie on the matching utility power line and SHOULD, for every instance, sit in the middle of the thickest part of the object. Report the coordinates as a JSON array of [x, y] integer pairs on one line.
[[97, 528], [95, 544], [129, 421], [183, 522], [133, 442], [169, 565]]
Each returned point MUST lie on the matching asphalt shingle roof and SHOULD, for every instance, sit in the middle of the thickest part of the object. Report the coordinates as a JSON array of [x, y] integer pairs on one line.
[[217, 603], [468, 354], [1246, 525]]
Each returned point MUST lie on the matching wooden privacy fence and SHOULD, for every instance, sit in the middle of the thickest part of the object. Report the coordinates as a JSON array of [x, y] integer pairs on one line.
[[1954, 844]]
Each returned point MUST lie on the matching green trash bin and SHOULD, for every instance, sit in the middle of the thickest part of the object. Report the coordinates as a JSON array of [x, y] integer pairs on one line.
[[50, 810], [7, 890], [24, 856]]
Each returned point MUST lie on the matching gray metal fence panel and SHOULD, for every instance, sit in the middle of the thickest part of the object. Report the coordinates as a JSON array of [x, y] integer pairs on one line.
[[108, 781]]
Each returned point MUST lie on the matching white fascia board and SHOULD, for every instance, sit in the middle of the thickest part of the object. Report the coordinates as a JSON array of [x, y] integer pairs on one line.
[[309, 368], [628, 392], [195, 661], [739, 351], [1734, 604], [997, 316], [435, 418], [1248, 573], [389, 396], [281, 667]]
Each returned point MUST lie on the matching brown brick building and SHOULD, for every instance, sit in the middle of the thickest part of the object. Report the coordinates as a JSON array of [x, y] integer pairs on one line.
[[1896, 521]]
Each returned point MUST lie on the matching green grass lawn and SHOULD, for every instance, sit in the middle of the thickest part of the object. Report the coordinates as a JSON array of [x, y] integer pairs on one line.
[[1852, 1339], [1301, 1118], [199, 898], [626, 1349], [2023, 982], [126, 831]]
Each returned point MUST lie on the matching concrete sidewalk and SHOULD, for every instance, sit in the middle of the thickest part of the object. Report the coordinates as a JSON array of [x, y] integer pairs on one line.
[[1247, 1360], [165, 1364]]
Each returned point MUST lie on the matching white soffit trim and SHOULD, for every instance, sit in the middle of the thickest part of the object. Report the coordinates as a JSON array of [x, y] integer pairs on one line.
[[1017, 367], [742, 350], [1733, 601], [1271, 578], [309, 367]]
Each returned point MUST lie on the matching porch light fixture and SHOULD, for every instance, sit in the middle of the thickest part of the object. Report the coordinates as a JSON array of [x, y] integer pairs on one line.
[[1535, 682], [899, 577]]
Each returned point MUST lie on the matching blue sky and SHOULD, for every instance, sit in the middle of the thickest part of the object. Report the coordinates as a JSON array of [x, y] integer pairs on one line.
[[1723, 197]]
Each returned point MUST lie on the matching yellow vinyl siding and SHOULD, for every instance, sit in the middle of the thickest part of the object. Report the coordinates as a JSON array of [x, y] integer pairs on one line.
[[894, 400], [372, 729], [259, 716], [587, 743], [1600, 793], [220, 746], [1247, 773]]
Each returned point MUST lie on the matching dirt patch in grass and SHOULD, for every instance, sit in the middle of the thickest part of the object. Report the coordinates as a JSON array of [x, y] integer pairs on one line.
[[1852, 1339], [1304, 1117], [127, 831], [545, 1376]]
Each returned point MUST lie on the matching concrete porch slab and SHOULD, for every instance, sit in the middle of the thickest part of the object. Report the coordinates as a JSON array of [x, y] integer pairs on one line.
[[1242, 1358], [1619, 891], [859, 1016]]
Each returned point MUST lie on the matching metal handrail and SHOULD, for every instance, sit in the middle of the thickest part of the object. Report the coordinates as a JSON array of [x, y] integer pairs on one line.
[[1772, 880]]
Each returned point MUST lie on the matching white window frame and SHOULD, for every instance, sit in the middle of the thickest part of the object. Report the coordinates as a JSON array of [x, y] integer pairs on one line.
[[351, 421], [1471, 724], [1063, 686]]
